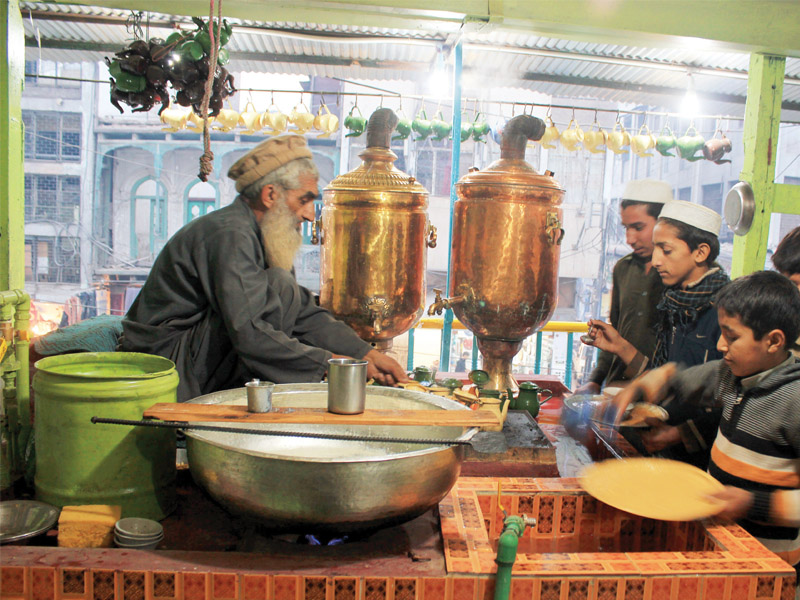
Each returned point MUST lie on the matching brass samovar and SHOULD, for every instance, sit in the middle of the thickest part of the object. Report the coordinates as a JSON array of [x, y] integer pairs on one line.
[[505, 250], [374, 234]]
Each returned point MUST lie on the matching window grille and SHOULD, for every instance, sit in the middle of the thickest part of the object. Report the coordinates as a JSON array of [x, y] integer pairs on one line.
[[52, 135], [52, 259]]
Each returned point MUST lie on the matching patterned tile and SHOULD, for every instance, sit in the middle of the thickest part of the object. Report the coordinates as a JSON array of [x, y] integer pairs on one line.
[[714, 588], [314, 588], [607, 589], [464, 589], [740, 588], [163, 585], [688, 588], [662, 589], [578, 589], [286, 587], [12, 581], [788, 588], [434, 588], [133, 585], [374, 589], [405, 589], [73, 581], [521, 589], [765, 587], [550, 589], [43, 584], [194, 586], [634, 589], [223, 586], [254, 587], [103, 585], [345, 588]]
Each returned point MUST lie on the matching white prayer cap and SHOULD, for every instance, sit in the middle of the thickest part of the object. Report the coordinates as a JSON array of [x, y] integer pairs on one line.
[[648, 190], [696, 215]]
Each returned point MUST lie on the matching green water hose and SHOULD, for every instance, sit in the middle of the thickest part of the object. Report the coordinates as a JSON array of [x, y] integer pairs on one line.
[[513, 528]]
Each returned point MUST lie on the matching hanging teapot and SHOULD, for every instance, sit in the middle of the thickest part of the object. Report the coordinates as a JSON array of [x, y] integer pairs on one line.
[[480, 129], [227, 119], [715, 148], [403, 127], [250, 119], [303, 120], [666, 141], [572, 136], [594, 139], [688, 145], [528, 398], [173, 118], [325, 122], [618, 139], [441, 128], [642, 142], [550, 134], [355, 123], [466, 129], [274, 122], [195, 121], [422, 126]]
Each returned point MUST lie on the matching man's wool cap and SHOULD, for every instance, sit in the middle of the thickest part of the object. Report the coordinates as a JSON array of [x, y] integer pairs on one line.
[[266, 157]]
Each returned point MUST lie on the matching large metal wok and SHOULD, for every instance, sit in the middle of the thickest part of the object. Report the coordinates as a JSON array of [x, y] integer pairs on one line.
[[295, 484]]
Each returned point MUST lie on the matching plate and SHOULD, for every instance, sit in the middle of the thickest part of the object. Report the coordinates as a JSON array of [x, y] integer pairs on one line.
[[21, 519], [641, 411], [656, 488]]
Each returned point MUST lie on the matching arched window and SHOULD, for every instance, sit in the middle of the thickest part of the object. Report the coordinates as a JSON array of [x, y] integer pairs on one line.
[[201, 199], [149, 218]]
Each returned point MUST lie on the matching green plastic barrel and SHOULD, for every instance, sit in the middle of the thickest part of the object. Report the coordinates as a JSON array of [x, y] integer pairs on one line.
[[78, 462]]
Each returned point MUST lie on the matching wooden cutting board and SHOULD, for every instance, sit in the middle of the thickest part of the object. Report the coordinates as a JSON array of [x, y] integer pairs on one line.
[[198, 413]]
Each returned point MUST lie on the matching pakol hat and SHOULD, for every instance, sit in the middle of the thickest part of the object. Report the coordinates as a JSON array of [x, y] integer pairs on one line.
[[696, 215], [266, 157], [648, 190]]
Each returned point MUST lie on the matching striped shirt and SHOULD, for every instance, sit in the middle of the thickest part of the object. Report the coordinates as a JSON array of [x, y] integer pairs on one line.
[[757, 447]]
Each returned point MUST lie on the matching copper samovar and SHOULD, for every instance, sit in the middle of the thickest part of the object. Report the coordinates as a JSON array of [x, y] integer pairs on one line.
[[505, 250], [374, 238]]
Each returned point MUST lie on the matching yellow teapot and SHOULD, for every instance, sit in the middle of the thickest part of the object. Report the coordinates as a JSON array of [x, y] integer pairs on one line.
[[325, 122], [274, 122], [550, 134], [301, 119], [618, 139], [642, 142], [174, 118], [227, 119], [250, 119], [594, 139], [572, 137], [194, 121]]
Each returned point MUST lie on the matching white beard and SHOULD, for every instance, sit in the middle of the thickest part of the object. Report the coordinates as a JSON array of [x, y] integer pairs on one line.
[[282, 238]]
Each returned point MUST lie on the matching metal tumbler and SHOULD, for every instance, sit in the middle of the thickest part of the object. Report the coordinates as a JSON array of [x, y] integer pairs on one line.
[[259, 396], [347, 386]]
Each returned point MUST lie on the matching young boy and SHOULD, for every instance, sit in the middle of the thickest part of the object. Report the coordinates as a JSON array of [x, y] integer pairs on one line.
[[685, 247], [756, 453], [787, 256]]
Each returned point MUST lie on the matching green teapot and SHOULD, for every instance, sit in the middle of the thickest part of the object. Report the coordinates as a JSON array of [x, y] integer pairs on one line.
[[666, 141], [528, 398], [689, 145], [479, 378], [466, 129], [357, 124], [480, 129], [451, 383], [403, 128], [441, 128], [422, 126], [423, 375]]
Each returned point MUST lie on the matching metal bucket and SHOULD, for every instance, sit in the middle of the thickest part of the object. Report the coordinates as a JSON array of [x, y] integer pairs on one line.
[[304, 485], [81, 463]]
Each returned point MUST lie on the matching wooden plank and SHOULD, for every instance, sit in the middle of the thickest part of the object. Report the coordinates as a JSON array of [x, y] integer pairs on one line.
[[198, 413]]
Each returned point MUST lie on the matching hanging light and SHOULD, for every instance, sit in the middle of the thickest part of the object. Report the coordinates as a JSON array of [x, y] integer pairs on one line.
[[690, 105], [438, 81]]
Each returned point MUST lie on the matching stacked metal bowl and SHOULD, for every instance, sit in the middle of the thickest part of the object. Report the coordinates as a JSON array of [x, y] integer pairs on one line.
[[138, 534]]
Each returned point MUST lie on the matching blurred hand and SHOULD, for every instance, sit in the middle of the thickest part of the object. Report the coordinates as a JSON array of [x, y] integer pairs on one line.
[[605, 337], [650, 386], [385, 369], [736, 502], [660, 436], [588, 388]]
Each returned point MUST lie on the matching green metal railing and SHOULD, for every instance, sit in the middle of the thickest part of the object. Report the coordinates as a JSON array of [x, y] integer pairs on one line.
[[568, 327]]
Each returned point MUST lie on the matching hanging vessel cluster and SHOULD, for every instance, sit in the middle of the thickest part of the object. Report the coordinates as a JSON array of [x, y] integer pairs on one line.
[[143, 72]]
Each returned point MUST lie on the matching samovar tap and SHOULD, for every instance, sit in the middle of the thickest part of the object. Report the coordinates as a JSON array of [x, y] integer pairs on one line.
[[440, 304]]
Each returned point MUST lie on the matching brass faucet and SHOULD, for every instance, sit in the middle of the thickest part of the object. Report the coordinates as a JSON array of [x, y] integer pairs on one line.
[[440, 304]]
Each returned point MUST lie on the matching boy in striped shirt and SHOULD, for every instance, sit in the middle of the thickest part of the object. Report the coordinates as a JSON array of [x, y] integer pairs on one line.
[[756, 453]]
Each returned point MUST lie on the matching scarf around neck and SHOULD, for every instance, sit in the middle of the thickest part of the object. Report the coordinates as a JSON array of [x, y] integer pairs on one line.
[[679, 307]]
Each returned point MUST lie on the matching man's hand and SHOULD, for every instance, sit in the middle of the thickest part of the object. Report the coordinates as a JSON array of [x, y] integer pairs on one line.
[[660, 436], [651, 387], [589, 387], [385, 369], [605, 337], [736, 502]]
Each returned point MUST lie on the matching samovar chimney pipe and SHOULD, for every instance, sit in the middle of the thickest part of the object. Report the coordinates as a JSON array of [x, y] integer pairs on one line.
[[380, 127], [516, 134]]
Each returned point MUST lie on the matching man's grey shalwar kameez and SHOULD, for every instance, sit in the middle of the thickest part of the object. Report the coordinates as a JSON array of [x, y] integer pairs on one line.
[[212, 305]]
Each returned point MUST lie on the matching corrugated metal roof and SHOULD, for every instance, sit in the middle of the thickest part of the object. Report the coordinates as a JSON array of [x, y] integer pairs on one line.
[[561, 68]]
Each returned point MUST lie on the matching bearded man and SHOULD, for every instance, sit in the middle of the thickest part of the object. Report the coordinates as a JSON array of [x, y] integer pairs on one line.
[[221, 300]]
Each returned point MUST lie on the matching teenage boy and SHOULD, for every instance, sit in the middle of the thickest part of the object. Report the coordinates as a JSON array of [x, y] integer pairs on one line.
[[756, 452], [636, 287], [685, 246], [787, 256]]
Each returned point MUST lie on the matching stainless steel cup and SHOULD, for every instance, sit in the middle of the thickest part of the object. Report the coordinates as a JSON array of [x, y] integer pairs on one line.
[[259, 396], [347, 386]]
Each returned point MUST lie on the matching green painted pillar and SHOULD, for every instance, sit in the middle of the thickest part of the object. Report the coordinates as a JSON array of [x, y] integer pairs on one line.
[[12, 180], [762, 116]]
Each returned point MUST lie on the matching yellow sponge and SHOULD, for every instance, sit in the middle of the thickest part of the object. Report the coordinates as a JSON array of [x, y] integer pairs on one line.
[[89, 526]]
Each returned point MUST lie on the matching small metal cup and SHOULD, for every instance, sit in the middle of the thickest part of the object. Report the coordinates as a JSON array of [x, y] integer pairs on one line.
[[347, 386], [259, 396]]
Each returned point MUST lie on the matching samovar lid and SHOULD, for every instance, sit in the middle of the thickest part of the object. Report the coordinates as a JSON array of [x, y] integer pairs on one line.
[[511, 169], [377, 172]]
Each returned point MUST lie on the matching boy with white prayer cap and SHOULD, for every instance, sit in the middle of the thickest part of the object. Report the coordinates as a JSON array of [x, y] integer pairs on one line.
[[685, 248]]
